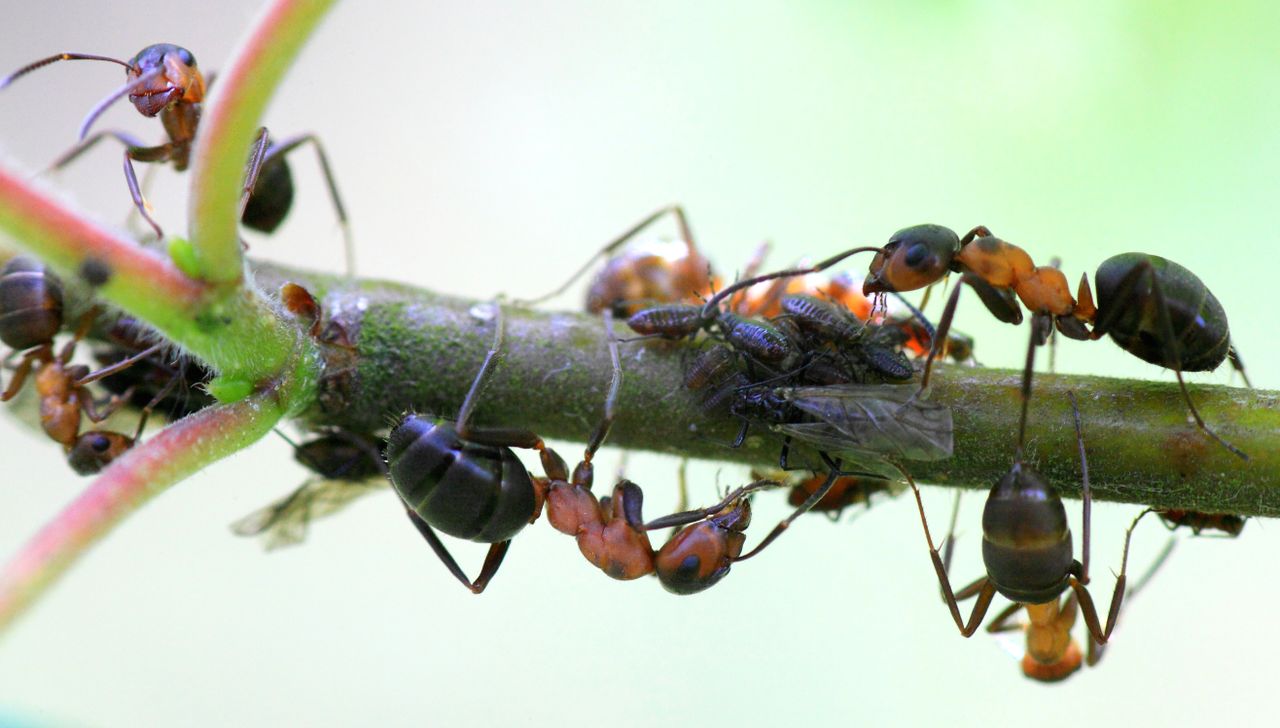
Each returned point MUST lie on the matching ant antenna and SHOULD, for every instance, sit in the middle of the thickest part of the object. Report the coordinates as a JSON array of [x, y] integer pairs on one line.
[[111, 98], [4, 83], [748, 282]]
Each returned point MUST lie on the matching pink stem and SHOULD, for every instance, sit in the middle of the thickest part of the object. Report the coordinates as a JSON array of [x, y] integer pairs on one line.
[[66, 238], [179, 450]]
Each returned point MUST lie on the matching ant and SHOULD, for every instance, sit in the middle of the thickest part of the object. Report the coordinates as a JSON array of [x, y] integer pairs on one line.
[[1027, 551], [1151, 307], [30, 317], [163, 80], [645, 273]]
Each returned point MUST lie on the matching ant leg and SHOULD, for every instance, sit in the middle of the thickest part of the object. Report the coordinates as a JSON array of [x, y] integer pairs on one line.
[[1099, 633], [257, 155], [949, 543], [985, 593], [681, 221], [686, 517], [24, 368], [1086, 494], [135, 192], [275, 151], [463, 422], [682, 485], [1126, 291], [1233, 356], [940, 334], [611, 397], [119, 366], [978, 231], [128, 140], [711, 303], [492, 560], [1003, 621]]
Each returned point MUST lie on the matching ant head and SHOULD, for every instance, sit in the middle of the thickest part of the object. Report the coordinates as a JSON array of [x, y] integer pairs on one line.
[[913, 258], [94, 450], [1051, 672], [164, 74]]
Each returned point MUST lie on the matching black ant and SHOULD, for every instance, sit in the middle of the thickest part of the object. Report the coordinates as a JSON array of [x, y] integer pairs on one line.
[[467, 482], [1151, 307], [1029, 559], [163, 80], [31, 301]]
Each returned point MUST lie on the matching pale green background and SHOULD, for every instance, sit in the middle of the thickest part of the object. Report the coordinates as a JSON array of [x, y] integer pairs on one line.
[[488, 149]]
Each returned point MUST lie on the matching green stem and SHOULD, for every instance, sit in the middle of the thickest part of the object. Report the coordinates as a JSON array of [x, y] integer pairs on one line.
[[419, 350], [228, 126], [144, 472]]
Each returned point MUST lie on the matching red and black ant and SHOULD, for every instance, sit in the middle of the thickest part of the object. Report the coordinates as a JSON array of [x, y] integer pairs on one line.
[[163, 80], [1151, 307], [644, 274], [31, 301], [1029, 559]]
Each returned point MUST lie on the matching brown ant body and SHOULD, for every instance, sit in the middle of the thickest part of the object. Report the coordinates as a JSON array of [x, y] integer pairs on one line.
[[163, 80], [30, 318], [1028, 554], [1151, 307]]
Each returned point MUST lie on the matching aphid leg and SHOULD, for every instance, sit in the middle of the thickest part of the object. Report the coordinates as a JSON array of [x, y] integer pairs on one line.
[[986, 592]]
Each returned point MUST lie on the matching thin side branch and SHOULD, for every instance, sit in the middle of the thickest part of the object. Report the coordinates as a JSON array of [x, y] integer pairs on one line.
[[149, 469], [230, 121]]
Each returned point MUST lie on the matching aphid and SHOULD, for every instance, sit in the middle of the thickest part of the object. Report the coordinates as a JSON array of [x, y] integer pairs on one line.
[[1028, 555], [1151, 307], [163, 80], [1227, 523], [348, 465]]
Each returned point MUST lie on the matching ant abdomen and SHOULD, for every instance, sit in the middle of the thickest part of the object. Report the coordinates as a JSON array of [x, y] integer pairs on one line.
[[1198, 320], [30, 304], [466, 489], [1026, 542]]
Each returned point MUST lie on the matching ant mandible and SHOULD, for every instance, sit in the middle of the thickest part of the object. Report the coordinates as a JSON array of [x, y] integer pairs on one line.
[[30, 317], [163, 80], [1028, 555], [1151, 307]]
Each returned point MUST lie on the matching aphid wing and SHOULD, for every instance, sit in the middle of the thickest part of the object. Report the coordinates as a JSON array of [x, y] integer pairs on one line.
[[836, 443], [285, 522], [882, 419]]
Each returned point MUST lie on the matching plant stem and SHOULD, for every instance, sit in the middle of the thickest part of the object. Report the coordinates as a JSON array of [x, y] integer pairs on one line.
[[147, 470], [229, 124], [419, 350]]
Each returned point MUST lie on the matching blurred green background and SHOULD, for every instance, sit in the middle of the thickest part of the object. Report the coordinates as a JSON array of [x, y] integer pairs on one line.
[[487, 148]]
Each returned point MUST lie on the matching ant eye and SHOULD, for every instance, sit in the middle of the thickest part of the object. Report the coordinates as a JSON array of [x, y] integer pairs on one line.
[[917, 255], [100, 444], [185, 56]]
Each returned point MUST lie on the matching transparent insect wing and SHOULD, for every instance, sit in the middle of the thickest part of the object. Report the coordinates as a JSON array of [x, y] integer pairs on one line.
[[880, 419], [285, 522]]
